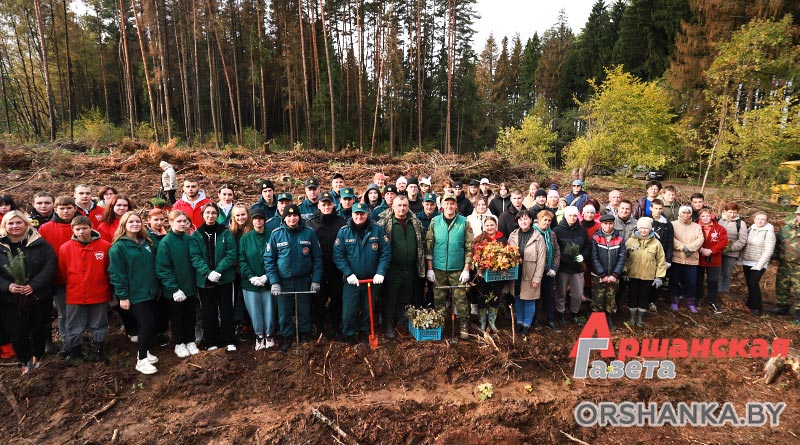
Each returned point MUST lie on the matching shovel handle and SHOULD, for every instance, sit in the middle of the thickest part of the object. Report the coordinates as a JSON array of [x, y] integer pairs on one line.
[[365, 281]]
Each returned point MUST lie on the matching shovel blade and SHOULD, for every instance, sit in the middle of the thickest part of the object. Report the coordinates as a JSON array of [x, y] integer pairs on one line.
[[373, 341]]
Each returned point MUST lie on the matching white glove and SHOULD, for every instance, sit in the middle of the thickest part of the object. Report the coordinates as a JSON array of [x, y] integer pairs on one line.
[[352, 280], [430, 275], [262, 280], [255, 281], [377, 279], [668, 265], [179, 296], [315, 287], [756, 268], [464, 277], [275, 289], [579, 259], [657, 283], [214, 276], [551, 273]]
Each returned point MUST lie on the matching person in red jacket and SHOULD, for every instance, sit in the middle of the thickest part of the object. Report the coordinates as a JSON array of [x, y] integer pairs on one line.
[[57, 232], [83, 262], [118, 206], [716, 239], [86, 206], [192, 202]]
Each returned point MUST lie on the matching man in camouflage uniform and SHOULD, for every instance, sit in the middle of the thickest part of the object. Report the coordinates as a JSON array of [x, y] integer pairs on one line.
[[787, 280], [449, 253]]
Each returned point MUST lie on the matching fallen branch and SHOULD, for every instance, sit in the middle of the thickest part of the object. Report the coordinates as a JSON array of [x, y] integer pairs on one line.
[[573, 438], [93, 416], [333, 426], [371, 372], [23, 182]]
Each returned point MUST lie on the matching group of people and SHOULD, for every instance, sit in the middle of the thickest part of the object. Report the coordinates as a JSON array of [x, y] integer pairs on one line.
[[206, 270]]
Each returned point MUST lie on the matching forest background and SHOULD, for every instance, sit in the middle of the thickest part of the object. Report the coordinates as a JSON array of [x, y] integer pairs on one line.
[[677, 84]]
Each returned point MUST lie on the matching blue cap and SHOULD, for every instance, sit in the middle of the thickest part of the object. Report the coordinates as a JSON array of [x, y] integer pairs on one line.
[[430, 197], [360, 207], [346, 192], [285, 196], [326, 197]]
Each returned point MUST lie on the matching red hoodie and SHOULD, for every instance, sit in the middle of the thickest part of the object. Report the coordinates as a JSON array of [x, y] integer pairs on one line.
[[56, 233], [107, 230], [716, 239], [85, 266]]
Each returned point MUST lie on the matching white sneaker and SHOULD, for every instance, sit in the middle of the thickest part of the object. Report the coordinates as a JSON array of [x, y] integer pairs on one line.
[[211, 348], [134, 338], [231, 348], [151, 358], [145, 367], [192, 348], [259, 344], [269, 343], [181, 351]]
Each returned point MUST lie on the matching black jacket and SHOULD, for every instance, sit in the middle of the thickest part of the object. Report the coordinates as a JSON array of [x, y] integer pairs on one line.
[[507, 221], [327, 227], [464, 205], [40, 266], [575, 234], [499, 205], [666, 235]]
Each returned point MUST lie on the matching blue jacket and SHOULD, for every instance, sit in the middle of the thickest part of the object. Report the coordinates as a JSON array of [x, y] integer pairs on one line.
[[376, 213], [425, 219], [269, 210], [293, 253], [365, 256], [307, 209]]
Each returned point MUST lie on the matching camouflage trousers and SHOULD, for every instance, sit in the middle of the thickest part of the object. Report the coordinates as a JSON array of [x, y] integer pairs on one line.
[[604, 296], [441, 296], [787, 285]]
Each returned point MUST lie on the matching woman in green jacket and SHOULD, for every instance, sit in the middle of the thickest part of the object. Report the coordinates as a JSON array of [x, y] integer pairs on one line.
[[260, 302], [174, 269], [212, 251], [132, 274]]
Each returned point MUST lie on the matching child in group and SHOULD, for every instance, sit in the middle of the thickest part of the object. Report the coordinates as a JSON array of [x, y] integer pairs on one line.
[[608, 259], [83, 261]]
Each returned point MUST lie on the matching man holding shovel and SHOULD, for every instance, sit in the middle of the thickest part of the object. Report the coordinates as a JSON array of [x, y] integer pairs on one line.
[[293, 262], [361, 252], [449, 254]]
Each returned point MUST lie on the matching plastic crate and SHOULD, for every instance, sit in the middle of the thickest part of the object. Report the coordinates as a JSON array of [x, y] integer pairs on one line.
[[425, 334], [501, 275]]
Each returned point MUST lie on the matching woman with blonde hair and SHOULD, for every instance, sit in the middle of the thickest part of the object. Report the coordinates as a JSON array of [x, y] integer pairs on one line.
[[755, 258], [26, 292], [132, 274]]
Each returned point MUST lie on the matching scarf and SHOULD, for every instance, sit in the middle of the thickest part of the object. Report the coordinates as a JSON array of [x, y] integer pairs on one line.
[[549, 243]]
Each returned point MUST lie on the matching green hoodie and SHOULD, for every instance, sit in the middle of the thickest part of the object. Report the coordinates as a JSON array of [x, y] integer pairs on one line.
[[173, 265], [131, 270], [251, 258]]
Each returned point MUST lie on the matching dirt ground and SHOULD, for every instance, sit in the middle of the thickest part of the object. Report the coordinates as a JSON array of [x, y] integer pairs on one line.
[[403, 392]]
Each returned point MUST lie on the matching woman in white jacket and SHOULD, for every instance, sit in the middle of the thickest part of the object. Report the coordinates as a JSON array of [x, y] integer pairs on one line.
[[480, 213], [755, 258]]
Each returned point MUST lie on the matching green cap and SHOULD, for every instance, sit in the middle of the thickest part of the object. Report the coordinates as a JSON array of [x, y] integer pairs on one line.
[[346, 192], [360, 207], [430, 197], [285, 196]]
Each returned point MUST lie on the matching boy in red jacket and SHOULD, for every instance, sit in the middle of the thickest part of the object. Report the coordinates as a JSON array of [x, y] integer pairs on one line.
[[83, 262]]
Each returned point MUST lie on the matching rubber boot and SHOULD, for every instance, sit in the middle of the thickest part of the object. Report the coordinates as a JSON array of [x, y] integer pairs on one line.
[[97, 354], [561, 319], [464, 331], [491, 318], [640, 317], [634, 314], [482, 313]]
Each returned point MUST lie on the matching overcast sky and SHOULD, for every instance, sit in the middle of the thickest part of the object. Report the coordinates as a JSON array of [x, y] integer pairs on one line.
[[507, 17]]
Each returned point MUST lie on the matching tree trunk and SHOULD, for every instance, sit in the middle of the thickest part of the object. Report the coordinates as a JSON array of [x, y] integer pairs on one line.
[[213, 25], [5, 96], [212, 93], [330, 78], [198, 117], [419, 74], [50, 100], [305, 75], [102, 58], [187, 106], [70, 82], [360, 30], [164, 78], [379, 42], [146, 71], [451, 55], [262, 76]]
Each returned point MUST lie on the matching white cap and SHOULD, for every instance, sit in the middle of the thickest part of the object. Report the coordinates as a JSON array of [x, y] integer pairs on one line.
[[484, 180], [426, 181], [401, 180]]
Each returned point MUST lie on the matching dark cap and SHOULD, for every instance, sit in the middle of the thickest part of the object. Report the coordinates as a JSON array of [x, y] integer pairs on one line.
[[474, 183], [291, 210], [285, 196], [413, 180], [326, 197], [457, 184], [257, 213], [337, 175], [607, 218], [430, 197], [346, 192], [540, 192], [553, 187], [312, 182], [360, 207], [267, 184], [390, 189]]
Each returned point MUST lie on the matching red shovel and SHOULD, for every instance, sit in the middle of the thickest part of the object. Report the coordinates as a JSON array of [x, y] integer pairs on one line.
[[373, 339]]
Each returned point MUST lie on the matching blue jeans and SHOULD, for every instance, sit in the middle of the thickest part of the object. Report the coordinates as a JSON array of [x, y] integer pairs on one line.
[[526, 309], [261, 307], [683, 277]]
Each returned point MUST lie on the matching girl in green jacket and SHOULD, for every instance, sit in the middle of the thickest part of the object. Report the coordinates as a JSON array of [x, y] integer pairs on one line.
[[132, 274], [260, 302]]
